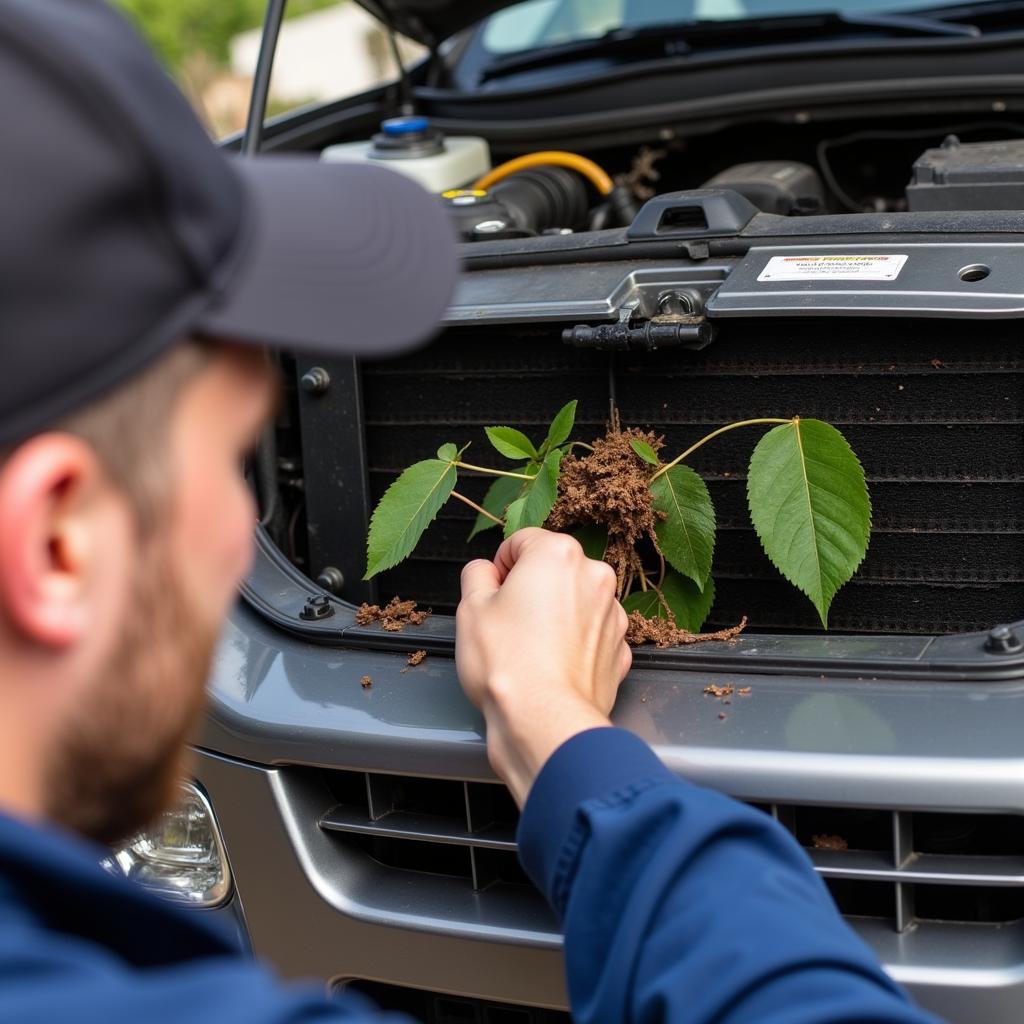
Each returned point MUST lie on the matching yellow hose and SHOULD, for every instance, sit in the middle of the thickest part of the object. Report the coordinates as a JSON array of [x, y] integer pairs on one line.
[[598, 177]]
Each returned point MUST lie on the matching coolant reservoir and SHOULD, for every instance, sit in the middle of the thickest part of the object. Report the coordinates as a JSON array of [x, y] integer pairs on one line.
[[410, 146]]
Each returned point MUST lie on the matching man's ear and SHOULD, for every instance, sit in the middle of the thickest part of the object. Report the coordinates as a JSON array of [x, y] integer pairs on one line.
[[55, 504]]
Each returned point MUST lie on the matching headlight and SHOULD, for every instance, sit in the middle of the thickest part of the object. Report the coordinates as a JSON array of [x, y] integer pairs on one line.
[[181, 857]]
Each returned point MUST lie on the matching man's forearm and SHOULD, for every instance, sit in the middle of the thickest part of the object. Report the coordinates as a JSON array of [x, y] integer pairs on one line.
[[680, 904]]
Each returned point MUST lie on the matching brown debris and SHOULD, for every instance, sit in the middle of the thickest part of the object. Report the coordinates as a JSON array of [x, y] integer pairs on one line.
[[610, 487], [663, 633], [642, 173], [718, 691], [416, 657], [827, 842], [366, 682], [744, 691], [721, 715], [936, 364], [393, 617]]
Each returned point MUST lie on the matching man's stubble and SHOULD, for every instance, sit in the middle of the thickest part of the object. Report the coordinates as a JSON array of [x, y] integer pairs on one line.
[[118, 758]]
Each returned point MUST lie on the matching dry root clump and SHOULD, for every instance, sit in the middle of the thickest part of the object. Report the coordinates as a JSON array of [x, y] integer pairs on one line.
[[416, 658], [366, 682], [393, 617], [664, 633], [611, 487]]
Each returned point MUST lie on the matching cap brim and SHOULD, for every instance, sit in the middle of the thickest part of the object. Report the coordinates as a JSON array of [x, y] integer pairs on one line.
[[337, 258]]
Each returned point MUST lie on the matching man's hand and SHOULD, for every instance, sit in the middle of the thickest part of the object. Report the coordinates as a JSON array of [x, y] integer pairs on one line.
[[540, 649]]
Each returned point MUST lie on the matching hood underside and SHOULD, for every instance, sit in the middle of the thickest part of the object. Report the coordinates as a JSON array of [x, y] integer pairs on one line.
[[431, 21]]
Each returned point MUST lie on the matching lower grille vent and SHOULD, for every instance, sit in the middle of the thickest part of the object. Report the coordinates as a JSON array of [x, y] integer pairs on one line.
[[435, 1008], [901, 866], [934, 409]]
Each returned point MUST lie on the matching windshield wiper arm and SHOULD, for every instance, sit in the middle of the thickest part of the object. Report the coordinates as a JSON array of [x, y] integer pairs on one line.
[[918, 24]]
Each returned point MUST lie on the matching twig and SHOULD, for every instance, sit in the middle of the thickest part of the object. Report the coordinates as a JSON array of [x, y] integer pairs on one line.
[[497, 472], [661, 598], [713, 434], [474, 505]]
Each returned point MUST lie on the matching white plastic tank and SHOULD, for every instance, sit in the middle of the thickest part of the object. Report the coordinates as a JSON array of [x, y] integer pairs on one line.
[[410, 146]]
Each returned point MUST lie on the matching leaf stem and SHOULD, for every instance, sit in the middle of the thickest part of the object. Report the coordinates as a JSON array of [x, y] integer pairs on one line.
[[497, 472], [478, 508], [713, 434], [580, 444]]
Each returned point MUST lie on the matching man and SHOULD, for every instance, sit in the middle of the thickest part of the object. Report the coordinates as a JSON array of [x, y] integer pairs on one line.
[[125, 526]]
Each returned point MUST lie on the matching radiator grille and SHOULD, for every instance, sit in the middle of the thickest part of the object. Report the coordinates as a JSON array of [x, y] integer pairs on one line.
[[933, 408], [901, 866]]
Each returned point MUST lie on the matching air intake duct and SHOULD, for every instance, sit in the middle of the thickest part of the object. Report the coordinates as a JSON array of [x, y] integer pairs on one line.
[[528, 203]]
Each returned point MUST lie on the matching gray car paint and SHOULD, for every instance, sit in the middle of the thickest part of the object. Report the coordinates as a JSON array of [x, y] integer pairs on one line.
[[314, 905]]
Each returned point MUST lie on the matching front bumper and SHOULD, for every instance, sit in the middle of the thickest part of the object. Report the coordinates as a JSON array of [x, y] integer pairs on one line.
[[284, 708]]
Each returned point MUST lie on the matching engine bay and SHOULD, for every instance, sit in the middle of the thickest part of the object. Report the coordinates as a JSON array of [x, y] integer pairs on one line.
[[787, 170]]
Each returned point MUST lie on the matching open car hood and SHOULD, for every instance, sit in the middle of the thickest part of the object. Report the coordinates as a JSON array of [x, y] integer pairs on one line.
[[431, 21]]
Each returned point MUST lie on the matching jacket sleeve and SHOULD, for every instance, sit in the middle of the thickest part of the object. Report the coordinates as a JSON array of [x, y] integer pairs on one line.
[[680, 904], [63, 979]]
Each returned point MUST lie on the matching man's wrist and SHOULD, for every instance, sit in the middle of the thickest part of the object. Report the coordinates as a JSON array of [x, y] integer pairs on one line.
[[522, 735]]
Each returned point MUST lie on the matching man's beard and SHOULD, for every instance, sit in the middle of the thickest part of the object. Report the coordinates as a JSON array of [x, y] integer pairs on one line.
[[119, 757]]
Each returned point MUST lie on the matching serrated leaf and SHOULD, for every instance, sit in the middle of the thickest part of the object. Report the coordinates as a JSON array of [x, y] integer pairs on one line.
[[687, 534], [644, 450], [407, 508], [561, 425], [810, 507], [511, 443], [689, 604], [593, 539], [499, 496], [538, 498], [448, 452]]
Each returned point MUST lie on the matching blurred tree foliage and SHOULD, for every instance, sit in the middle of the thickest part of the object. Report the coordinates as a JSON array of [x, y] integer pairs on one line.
[[185, 32]]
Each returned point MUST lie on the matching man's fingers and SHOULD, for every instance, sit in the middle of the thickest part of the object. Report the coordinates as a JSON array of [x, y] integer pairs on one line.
[[480, 577], [512, 548]]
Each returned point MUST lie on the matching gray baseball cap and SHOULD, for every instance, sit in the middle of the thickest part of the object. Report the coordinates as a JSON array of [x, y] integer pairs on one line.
[[126, 229]]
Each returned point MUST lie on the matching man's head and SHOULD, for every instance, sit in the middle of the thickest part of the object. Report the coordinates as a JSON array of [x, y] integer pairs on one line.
[[124, 531], [124, 523]]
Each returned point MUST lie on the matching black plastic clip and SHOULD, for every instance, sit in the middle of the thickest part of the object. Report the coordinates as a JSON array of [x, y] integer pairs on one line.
[[646, 337], [317, 607]]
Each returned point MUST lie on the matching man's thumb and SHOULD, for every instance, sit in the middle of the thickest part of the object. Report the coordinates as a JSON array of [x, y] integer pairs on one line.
[[480, 577]]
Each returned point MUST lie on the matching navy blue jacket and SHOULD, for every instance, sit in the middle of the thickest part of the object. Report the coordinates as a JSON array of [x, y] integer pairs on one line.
[[678, 904]]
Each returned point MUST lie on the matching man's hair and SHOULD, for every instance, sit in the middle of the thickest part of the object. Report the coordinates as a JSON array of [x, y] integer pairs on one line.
[[128, 429]]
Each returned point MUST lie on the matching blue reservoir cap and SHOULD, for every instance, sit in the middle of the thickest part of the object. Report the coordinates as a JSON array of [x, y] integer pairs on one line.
[[404, 125]]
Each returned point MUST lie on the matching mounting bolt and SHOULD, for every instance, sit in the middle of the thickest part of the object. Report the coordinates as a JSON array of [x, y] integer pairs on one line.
[[331, 578], [675, 303], [315, 381], [317, 607], [1003, 640]]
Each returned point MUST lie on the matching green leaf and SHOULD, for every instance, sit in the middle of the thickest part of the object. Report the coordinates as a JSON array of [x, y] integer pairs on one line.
[[689, 604], [408, 507], [537, 500], [448, 452], [810, 506], [687, 534], [499, 496], [511, 443], [645, 451], [561, 425], [593, 539]]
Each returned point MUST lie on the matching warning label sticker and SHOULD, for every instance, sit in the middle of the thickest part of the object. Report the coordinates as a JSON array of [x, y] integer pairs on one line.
[[876, 267]]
